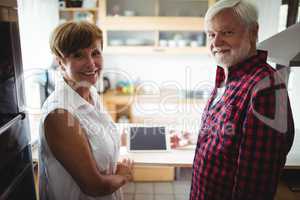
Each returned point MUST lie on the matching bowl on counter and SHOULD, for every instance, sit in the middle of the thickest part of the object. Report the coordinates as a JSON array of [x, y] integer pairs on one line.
[[182, 43], [194, 43], [134, 42], [172, 43], [163, 43], [129, 13], [116, 42]]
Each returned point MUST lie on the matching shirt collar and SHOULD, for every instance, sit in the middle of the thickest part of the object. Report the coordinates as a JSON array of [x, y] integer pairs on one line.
[[244, 67], [71, 97]]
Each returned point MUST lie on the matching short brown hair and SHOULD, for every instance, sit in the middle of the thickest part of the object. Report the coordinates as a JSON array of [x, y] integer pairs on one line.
[[69, 37]]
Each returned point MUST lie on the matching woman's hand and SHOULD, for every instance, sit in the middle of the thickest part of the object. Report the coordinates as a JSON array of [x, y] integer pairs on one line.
[[124, 168]]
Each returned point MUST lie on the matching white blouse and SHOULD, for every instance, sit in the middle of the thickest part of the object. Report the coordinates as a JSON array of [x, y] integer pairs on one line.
[[55, 182]]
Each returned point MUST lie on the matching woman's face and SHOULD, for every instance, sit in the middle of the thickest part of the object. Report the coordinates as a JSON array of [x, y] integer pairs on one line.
[[83, 67]]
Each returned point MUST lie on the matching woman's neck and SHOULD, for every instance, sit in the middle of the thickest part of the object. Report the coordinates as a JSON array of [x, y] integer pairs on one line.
[[84, 92]]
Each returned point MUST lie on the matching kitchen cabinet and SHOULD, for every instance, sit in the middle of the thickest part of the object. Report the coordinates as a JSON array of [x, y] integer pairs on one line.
[[118, 105], [177, 8], [153, 26], [146, 26], [82, 12]]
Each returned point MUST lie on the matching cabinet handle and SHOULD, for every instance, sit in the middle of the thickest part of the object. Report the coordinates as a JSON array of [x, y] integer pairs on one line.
[[20, 116]]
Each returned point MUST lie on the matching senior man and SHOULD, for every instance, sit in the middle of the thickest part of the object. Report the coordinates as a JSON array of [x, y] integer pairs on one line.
[[247, 126]]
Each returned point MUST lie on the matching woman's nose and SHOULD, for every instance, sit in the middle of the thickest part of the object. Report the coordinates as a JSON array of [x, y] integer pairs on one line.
[[90, 61]]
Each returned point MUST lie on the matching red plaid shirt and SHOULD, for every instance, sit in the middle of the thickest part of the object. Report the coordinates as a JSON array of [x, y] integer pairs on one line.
[[244, 137]]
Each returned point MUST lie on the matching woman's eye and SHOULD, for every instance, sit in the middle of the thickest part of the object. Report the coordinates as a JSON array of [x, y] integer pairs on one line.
[[77, 55], [96, 53]]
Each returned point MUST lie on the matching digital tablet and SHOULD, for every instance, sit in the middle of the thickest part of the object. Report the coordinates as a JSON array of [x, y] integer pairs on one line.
[[147, 139]]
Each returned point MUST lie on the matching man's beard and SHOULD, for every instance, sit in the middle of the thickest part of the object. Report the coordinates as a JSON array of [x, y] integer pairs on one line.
[[233, 56]]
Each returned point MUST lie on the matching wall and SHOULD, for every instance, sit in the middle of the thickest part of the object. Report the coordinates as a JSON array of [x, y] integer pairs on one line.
[[37, 18], [294, 93], [268, 17], [187, 71]]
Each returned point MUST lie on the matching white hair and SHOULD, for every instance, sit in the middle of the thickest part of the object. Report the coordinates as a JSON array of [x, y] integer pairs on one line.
[[245, 10]]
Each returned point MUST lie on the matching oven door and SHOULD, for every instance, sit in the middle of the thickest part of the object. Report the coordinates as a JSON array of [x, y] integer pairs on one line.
[[17, 180], [16, 169], [11, 70]]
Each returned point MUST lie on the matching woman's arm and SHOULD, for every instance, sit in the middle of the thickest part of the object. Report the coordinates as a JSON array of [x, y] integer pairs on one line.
[[69, 145]]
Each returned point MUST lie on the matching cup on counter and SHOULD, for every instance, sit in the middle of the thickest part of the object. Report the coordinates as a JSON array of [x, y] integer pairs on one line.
[[116, 42]]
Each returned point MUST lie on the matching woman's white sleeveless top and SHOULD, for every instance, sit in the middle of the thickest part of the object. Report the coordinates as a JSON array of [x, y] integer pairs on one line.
[[55, 182]]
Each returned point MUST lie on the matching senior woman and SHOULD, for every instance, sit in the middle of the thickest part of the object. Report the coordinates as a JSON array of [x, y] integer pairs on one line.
[[79, 144]]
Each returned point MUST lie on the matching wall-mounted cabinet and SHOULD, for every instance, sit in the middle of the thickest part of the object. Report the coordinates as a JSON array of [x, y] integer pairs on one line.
[[78, 14], [151, 8], [182, 8], [86, 10], [130, 8], [151, 26], [146, 26]]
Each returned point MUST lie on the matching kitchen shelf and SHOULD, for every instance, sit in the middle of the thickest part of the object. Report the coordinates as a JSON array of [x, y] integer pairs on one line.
[[183, 8], [79, 14], [78, 9], [114, 17], [152, 23], [149, 50]]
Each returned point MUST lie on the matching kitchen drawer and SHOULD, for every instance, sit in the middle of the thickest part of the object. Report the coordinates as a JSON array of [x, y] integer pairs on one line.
[[153, 173]]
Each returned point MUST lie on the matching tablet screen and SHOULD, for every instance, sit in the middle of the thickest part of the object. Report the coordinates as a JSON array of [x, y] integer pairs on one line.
[[147, 138]]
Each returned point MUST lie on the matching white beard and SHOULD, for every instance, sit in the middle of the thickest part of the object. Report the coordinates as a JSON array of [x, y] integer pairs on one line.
[[234, 56]]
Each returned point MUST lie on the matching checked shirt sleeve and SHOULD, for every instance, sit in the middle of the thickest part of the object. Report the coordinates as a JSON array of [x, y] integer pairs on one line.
[[265, 141]]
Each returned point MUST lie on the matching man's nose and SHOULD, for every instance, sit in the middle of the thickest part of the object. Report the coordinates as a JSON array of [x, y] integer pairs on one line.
[[218, 40]]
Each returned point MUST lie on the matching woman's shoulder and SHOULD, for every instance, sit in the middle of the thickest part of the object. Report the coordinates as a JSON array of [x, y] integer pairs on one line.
[[58, 99]]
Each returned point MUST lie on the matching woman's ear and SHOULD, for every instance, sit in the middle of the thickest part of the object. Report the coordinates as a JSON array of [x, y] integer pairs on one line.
[[61, 63]]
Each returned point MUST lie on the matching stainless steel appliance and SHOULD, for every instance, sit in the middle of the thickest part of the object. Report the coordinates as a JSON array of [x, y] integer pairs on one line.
[[16, 168]]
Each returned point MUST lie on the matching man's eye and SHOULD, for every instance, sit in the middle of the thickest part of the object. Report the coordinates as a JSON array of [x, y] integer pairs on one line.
[[228, 33]]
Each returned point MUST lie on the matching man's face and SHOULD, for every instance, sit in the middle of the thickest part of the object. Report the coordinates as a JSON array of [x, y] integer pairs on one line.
[[229, 39]]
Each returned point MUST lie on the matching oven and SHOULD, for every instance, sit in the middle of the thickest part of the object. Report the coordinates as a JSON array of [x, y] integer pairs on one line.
[[16, 168]]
